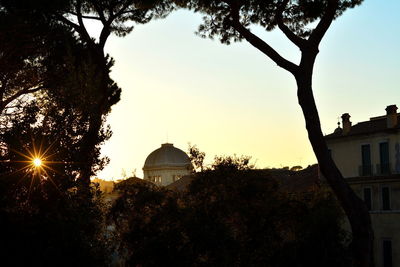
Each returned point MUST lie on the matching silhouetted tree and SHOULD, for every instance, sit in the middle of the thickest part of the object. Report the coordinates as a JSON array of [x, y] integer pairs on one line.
[[304, 23], [296, 168], [22, 53], [196, 158], [149, 220], [112, 16], [234, 162], [43, 220]]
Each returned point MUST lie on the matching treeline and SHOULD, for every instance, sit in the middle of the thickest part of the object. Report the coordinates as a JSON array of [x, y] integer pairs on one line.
[[229, 215]]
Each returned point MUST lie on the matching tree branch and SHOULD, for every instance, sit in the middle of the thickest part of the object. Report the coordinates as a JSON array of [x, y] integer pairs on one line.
[[259, 43], [68, 22], [99, 11], [298, 41], [20, 93], [82, 27], [81, 30], [105, 33], [323, 25], [121, 11], [84, 16]]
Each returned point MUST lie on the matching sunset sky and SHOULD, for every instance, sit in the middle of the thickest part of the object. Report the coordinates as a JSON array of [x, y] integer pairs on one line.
[[180, 88]]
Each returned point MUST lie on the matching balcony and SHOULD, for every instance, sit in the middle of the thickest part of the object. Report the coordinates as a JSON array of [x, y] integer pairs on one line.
[[383, 169], [365, 170]]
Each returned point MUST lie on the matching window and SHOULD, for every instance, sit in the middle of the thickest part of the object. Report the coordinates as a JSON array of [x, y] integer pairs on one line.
[[366, 167], [154, 179], [385, 192], [387, 253], [176, 177], [384, 167], [368, 197]]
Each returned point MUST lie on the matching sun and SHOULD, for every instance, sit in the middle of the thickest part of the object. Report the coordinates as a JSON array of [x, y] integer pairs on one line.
[[37, 162]]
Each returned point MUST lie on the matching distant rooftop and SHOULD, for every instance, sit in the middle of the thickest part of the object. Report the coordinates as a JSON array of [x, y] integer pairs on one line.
[[374, 125], [167, 156]]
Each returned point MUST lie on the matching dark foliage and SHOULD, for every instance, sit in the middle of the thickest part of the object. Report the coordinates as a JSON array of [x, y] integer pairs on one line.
[[43, 220], [55, 91], [296, 15], [196, 158], [22, 55], [229, 216]]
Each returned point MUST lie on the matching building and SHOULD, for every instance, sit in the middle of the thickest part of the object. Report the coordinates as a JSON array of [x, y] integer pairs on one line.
[[368, 155], [166, 165]]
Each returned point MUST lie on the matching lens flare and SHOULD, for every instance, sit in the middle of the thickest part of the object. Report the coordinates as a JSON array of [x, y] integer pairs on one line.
[[37, 162]]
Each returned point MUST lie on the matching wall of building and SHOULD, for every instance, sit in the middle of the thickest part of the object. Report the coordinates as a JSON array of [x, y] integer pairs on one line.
[[386, 227], [385, 223], [165, 176], [346, 152]]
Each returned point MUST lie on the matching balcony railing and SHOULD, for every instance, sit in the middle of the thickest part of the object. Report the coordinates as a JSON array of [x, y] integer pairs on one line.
[[383, 169], [365, 170]]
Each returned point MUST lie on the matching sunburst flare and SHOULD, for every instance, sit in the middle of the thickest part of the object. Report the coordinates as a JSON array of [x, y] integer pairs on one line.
[[37, 162]]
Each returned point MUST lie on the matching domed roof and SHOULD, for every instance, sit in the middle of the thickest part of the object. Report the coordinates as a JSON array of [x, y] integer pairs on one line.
[[167, 156], [338, 130]]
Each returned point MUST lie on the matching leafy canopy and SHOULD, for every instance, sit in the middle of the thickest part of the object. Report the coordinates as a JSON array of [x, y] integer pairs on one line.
[[297, 16], [115, 16]]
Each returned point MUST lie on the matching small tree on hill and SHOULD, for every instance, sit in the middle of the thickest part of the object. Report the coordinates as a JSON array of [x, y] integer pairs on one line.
[[196, 158]]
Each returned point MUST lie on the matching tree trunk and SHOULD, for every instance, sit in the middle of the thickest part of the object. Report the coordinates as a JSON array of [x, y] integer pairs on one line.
[[352, 205], [101, 106], [88, 147]]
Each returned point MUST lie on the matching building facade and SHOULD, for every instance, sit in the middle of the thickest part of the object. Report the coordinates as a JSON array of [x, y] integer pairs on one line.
[[368, 155], [166, 165]]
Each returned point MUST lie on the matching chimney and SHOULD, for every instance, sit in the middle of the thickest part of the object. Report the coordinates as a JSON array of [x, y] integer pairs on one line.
[[346, 123], [391, 116]]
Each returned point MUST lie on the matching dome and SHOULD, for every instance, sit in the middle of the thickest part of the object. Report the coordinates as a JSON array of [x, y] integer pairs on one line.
[[338, 130], [167, 156]]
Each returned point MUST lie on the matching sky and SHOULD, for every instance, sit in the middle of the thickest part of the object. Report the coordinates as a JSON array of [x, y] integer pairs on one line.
[[180, 88]]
